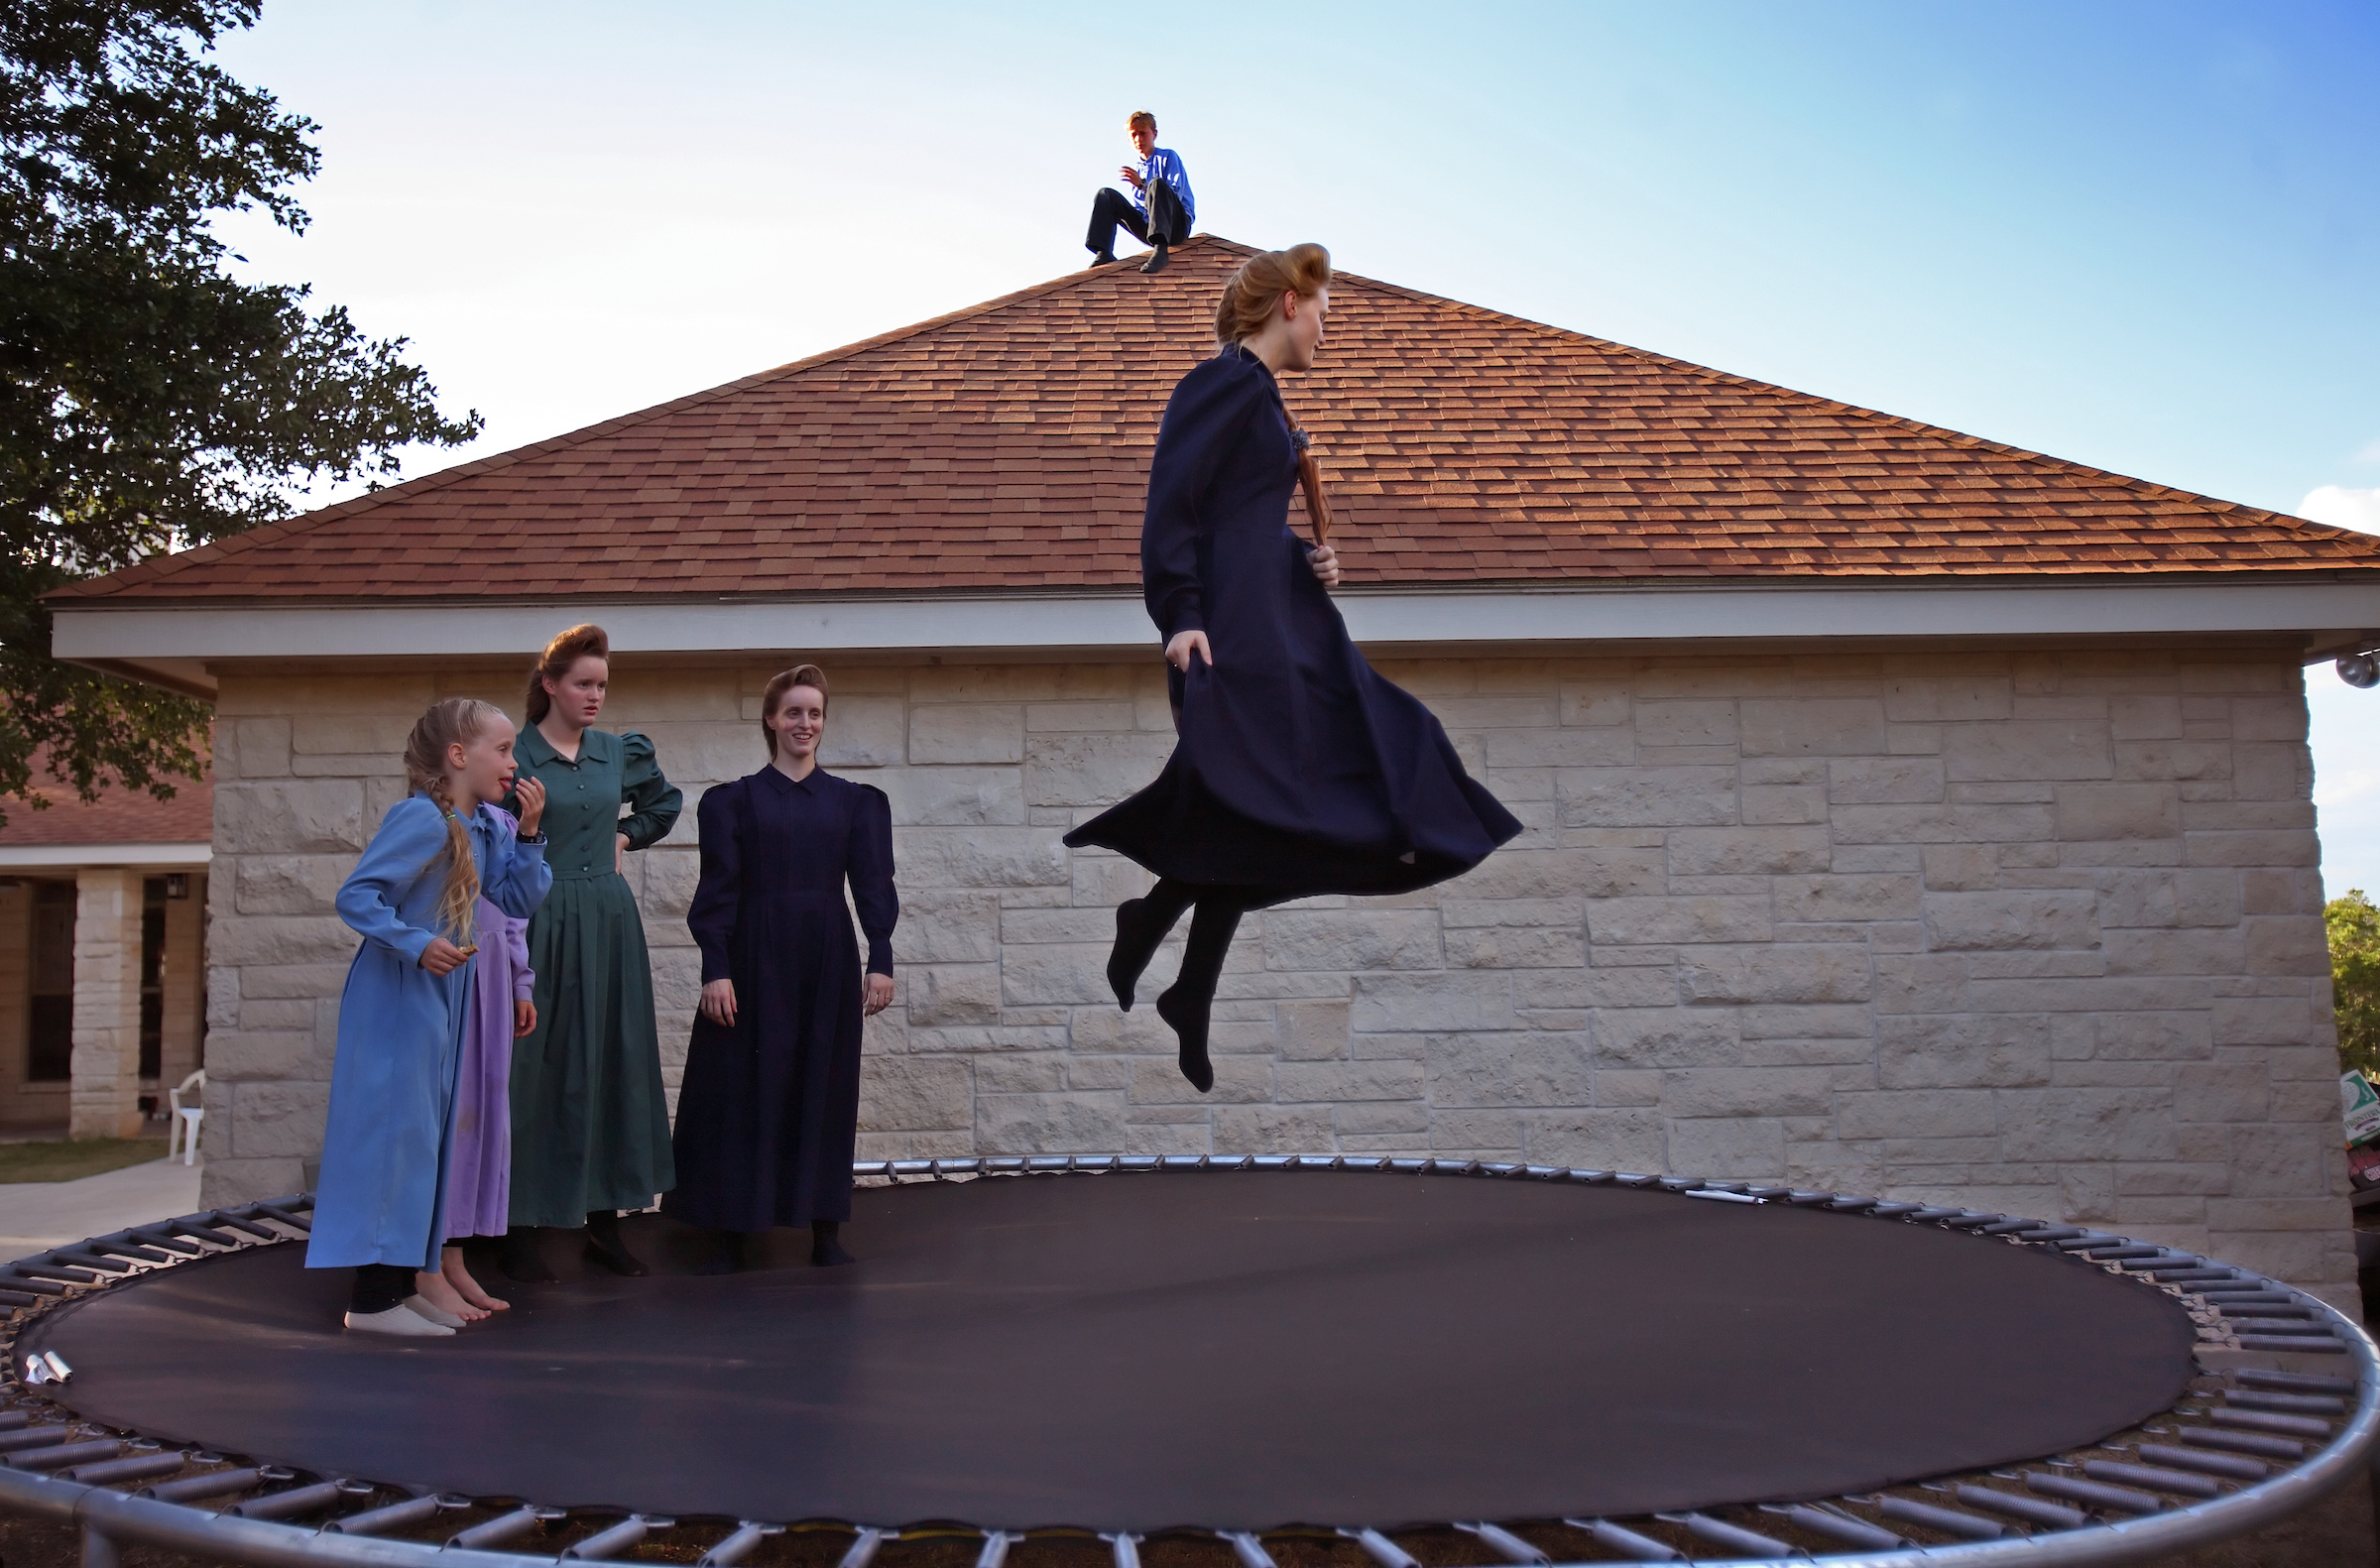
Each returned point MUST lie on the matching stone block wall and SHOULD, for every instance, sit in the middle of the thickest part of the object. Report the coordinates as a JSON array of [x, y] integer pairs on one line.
[[2033, 930], [107, 1003]]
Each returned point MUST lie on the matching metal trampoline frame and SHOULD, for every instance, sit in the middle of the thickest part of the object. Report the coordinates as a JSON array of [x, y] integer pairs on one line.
[[2238, 1458]]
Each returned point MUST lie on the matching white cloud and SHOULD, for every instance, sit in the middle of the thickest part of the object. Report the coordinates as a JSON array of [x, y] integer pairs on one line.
[[2341, 506]]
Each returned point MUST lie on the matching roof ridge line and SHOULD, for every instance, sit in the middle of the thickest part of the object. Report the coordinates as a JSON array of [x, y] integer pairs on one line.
[[284, 528]]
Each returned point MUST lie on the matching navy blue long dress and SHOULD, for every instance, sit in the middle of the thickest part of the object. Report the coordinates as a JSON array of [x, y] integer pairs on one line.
[[1298, 770], [769, 1108]]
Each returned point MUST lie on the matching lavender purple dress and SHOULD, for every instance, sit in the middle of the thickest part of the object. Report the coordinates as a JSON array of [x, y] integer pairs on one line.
[[479, 1171]]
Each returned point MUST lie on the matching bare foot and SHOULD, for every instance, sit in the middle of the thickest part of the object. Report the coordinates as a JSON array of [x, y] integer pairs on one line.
[[450, 1264], [439, 1293]]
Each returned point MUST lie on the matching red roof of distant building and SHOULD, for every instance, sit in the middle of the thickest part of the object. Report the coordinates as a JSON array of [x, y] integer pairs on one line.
[[118, 817], [1006, 448]]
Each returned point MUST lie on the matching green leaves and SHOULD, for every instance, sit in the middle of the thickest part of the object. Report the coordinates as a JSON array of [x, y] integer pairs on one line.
[[2353, 923], [149, 400]]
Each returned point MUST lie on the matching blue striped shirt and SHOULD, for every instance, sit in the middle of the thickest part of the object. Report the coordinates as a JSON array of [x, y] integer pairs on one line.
[[1163, 163]]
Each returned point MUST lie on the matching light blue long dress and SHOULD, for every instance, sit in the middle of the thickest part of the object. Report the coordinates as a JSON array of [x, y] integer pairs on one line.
[[381, 1197]]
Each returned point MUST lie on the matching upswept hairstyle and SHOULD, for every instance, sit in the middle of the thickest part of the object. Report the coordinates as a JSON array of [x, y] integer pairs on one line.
[[1248, 299], [567, 648], [455, 721], [781, 682], [1142, 117]]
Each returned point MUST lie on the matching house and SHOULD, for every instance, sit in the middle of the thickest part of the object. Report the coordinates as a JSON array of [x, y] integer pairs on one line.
[[1905, 813], [102, 957]]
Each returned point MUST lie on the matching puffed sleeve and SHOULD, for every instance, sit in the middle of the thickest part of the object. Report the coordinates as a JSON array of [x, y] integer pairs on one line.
[[652, 800], [1205, 416], [870, 872], [516, 879], [712, 914], [516, 957], [411, 841]]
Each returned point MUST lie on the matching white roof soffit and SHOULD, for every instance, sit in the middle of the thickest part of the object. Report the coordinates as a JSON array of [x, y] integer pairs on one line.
[[165, 634], [161, 857]]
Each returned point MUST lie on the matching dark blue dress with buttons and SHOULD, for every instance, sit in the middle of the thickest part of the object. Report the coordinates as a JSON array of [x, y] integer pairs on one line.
[[1299, 770], [768, 1111]]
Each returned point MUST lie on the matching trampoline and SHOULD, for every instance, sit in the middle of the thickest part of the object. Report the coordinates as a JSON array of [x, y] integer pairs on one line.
[[1332, 1355]]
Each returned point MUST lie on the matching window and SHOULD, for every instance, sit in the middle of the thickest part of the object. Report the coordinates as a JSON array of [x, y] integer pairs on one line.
[[50, 1040]]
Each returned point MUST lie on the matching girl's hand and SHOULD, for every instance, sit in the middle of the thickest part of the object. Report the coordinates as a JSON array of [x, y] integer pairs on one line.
[[1325, 562], [443, 957], [525, 1019], [880, 995], [719, 1003], [620, 855], [1178, 652], [530, 792]]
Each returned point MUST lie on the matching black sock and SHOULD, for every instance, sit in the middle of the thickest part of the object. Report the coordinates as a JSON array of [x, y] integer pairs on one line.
[[1142, 926], [380, 1286], [1187, 1003], [825, 1247]]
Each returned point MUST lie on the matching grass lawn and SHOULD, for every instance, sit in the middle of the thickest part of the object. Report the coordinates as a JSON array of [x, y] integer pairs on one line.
[[65, 1159]]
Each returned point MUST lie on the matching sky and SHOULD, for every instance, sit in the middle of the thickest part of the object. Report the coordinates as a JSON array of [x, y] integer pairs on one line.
[[2140, 236]]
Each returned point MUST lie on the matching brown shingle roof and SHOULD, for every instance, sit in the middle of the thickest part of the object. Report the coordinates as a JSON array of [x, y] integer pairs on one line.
[[118, 817], [1006, 448]]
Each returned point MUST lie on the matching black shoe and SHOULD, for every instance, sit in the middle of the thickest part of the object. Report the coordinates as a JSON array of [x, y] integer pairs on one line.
[[524, 1261], [1188, 1016], [825, 1250], [1134, 946], [728, 1260], [1156, 260], [605, 1247], [1104, 259]]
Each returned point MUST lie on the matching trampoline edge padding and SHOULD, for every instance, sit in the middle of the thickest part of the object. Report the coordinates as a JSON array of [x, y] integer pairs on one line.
[[1588, 1348]]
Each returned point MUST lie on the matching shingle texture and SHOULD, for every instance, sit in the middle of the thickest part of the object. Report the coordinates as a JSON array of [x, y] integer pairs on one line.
[[1006, 448], [118, 817]]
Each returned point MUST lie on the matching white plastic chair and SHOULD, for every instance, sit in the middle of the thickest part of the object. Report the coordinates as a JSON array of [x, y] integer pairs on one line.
[[186, 1117]]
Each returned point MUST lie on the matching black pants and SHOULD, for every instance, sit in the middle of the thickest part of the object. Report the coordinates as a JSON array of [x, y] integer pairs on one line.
[[380, 1286], [1166, 223]]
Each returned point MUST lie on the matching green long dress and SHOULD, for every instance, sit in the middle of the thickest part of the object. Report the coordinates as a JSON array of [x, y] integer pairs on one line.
[[590, 1124]]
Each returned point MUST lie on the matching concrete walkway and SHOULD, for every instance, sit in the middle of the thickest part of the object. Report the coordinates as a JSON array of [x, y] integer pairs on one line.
[[38, 1215]]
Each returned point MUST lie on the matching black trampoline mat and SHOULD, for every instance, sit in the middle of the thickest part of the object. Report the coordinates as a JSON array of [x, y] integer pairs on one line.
[[1229, 1349]]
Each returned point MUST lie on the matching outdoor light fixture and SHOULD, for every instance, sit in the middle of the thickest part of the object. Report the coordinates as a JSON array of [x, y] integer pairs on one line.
[[177, 883], [2359, 670]]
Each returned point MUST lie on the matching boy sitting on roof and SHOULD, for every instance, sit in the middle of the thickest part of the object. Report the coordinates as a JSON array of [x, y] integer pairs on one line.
[[1161, 209]]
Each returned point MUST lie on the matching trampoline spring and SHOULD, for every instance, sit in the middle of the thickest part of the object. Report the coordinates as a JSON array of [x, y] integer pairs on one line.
[[2244, 1443], [2300, 1381], [2204, 1464], [1949, 1521], [1626, 1543], [68, 1454], [1248, 1548], [1381, 1549], [209, 1485], [1510, 1547], [2278, 1325], [1593, 1179], [2097, 1494], [34, 1437], [396, 1516], [167, 1241], [495, 1531], [1836, 1526], [1679, 1184], [34, 1274], [17, 1298], [1809, 1200], [97, 1263], [2117, 1255], [1969, 1220], [2288, 1403], [861, 1550], [1769, 1194], [2156, 1480], [2033, 1510], [202, 1227], [2012, 1227], [279, 1215], [612, 1542], [995, 1549], [10, 1421], [2306, 1347], [2266, 1421], [1893, 1211], [1852, 1205], [1126, 1547], [1734, 1537], [1629, 1178], [1933, 1214], [738, 1545], [136, 1467], [290, 1503], [1716, 1195], [241, 1223], [1271, 1162]]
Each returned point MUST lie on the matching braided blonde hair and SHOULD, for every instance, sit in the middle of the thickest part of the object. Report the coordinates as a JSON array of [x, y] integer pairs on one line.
[[457, 721]]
